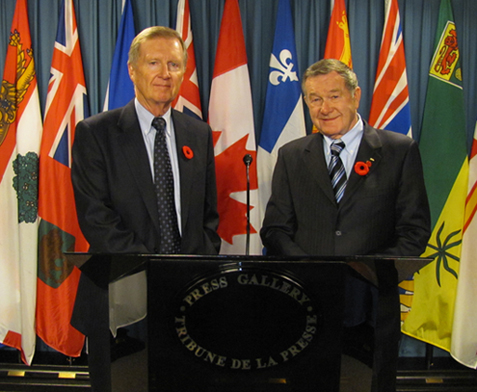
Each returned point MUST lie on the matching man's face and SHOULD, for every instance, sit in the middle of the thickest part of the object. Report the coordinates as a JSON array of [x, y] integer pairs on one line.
[[333, 109], [158, 73]]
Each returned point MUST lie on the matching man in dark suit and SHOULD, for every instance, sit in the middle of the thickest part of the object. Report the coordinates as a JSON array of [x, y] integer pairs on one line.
[[118, 176], [376, 203]]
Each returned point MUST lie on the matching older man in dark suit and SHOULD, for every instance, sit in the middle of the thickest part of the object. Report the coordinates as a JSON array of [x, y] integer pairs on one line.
[[113, 160], [144, 179], [351, 190]]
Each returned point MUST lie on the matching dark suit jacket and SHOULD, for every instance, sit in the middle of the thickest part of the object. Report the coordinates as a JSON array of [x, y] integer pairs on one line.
[[117, 208], [113, 185], [385, 212]]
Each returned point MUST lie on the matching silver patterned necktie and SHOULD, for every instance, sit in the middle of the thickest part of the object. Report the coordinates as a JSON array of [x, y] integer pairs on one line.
[[164, 187], [337, 171]]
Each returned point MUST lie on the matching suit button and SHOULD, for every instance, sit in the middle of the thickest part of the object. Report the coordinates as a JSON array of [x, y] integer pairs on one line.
[[338, 232]]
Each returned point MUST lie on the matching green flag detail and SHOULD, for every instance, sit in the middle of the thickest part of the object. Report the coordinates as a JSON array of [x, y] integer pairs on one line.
[[444, 156]]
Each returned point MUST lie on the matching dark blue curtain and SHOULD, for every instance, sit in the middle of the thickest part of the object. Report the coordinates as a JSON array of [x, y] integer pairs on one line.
[[98, 22]]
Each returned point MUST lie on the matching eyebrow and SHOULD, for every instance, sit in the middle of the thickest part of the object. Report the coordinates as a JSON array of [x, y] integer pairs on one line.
[[335, 90]]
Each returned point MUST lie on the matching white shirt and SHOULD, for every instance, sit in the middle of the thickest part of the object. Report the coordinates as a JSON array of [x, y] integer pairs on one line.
[[352, 140], [149, 133]]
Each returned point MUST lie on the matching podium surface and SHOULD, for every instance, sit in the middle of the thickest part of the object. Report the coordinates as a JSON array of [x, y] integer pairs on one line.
[[236, 323]]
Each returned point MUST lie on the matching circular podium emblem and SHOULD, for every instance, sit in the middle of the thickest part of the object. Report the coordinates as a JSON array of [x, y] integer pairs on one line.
[[246, 318]]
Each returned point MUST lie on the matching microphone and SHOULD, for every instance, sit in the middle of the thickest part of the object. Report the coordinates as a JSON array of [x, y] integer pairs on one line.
[[247, 159]]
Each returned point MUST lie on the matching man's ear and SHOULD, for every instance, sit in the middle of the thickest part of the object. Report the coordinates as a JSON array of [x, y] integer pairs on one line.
[[131, 72], [357, 96]]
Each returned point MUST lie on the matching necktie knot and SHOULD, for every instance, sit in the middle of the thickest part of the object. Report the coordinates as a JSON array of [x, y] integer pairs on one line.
[[159, 123], [336, 148]]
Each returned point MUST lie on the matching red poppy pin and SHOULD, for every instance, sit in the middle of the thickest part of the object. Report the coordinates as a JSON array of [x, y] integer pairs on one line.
[[362, 168], [187, 152]]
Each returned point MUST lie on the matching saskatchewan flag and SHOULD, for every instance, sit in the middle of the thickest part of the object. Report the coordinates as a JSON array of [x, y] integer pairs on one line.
[[444, 155]]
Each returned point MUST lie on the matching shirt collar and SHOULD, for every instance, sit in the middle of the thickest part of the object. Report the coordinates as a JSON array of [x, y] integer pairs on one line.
[[349, 137], [145, 119]]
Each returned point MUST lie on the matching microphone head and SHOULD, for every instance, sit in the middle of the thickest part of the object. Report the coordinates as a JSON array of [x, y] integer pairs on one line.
[[247, 159]]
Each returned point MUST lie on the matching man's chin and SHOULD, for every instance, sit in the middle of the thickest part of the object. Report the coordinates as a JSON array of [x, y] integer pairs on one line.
[[330, 132]]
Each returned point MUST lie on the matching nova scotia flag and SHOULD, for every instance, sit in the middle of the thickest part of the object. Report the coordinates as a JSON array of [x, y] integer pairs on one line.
[[120, 88], [127, 297], [283, 118]]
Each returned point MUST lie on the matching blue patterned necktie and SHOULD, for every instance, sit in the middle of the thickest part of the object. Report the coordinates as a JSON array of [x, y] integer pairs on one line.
[[164, 187], [337, 171]]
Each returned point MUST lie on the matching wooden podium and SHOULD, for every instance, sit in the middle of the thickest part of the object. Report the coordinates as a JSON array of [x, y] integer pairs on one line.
[[239, 323]]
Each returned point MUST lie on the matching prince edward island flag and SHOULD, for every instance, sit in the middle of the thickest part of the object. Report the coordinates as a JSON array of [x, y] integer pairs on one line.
[[444, 155]]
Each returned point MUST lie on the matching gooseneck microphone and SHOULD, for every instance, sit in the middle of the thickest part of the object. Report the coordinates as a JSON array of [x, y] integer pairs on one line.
[[247, 159]]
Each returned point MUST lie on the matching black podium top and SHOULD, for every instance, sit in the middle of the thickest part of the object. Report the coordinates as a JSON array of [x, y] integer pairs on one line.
[[108, 268]]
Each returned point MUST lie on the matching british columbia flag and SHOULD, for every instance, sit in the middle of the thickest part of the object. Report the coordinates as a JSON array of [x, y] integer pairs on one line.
[[390, 107]]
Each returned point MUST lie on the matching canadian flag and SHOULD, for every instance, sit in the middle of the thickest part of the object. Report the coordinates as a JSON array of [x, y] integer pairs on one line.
[[231, 119]]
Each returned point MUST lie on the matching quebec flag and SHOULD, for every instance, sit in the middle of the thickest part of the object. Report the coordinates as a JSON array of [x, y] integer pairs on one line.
[[283, 118]]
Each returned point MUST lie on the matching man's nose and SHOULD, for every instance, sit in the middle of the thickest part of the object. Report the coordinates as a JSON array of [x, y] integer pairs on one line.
[[326, 107], [163, 71]]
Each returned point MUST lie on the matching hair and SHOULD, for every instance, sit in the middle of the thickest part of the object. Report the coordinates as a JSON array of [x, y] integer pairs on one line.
[[151, 33], [326, 66]]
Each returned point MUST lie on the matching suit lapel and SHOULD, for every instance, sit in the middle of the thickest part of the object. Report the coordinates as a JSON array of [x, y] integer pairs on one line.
[[186, 166], [369, 150], [135, 153], [316, 163]]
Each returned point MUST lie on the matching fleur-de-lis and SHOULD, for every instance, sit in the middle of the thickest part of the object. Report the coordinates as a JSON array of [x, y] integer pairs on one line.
[[284, 67]]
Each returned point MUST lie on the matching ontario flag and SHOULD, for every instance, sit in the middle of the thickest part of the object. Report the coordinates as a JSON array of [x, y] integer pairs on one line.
[[20, 135], [59, 231], [188, 99], [283, 118], [231, 119], [390, 108], [338, 45]]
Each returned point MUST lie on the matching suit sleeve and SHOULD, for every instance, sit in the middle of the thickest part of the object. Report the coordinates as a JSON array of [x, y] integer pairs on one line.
[[279, 225], [101, 224], [211, 216], [412, 227]]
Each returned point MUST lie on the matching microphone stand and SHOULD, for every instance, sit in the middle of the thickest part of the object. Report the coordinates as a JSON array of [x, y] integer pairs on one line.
[[247, 159]]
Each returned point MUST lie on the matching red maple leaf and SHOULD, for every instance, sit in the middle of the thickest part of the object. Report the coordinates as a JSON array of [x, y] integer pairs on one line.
[[231, 178]]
